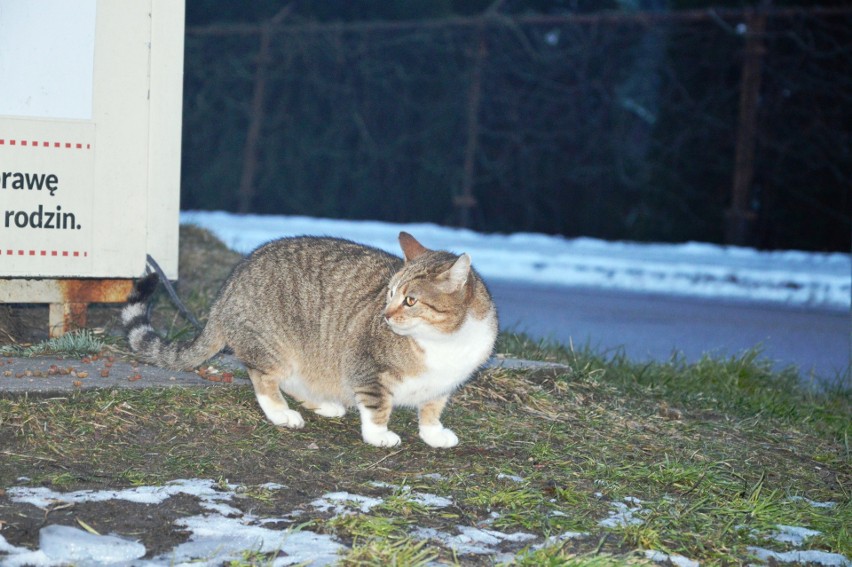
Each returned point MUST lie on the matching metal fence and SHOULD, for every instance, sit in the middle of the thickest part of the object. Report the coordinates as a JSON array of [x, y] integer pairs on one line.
[[728, 126]]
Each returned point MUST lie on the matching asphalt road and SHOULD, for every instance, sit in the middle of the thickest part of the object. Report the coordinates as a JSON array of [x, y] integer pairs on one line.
[[651, 327]]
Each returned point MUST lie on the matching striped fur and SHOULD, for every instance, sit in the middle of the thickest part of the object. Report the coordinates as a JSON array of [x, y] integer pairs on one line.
[[337, 325], [149, 346]]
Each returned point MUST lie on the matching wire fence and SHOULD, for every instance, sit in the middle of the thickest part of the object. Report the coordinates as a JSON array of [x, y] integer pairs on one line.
[[724, 126]]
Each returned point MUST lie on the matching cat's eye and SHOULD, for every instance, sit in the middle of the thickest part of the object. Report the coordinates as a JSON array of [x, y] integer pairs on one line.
[[409, 301]]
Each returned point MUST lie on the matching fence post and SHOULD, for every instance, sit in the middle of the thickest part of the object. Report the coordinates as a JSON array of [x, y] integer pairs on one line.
[[466, 201], [245, 193], [739, 217]]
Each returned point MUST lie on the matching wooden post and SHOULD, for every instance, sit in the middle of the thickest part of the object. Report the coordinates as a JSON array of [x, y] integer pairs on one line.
[[466, 201], [740, 217], [258, 104]]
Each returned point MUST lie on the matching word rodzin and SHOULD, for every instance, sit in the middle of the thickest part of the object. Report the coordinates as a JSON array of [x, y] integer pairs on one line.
[[41, 218]]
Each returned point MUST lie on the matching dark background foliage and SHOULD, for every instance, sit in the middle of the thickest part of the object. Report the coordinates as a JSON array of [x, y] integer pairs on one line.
[[615, 119]]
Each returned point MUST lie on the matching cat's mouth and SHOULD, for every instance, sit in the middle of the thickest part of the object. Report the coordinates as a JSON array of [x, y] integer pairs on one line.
[[399, 328]]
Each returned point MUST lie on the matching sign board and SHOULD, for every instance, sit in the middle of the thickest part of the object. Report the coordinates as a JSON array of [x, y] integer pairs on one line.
[[90, 134]]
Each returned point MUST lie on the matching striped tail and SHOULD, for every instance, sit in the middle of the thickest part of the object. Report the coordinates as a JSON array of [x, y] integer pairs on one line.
[[149, 346]]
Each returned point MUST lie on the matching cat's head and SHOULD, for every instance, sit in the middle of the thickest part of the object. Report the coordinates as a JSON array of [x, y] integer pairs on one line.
[[431, 295]]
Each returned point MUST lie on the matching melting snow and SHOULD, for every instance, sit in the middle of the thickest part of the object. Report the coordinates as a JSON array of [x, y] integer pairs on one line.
[[422, 498], [796, 536], [812, 502], [432, 476], [205, 490], [472, 541], [216, 540], [674, 559], [225, 533], [624, 514], [793, 535], [806, 556], [559, 539], [65, 543], [694, 269], [512, 477], [344, 502]]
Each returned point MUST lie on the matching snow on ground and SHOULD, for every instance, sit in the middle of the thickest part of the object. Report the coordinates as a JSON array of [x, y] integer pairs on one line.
[[691, 269], [224, 533]]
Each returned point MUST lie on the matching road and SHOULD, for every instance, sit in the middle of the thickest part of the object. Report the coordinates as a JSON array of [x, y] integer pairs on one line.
[[651, 327]]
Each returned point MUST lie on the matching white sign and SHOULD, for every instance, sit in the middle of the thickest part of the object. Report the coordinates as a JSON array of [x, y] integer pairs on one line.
[[90, 127], [47, 58], [46, 191]]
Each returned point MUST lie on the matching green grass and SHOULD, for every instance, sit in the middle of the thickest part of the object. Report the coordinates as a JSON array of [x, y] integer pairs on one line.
[[73, 344], [389, 552], [744, 385]]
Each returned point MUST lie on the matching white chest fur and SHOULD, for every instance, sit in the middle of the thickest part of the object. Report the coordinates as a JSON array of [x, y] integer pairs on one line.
[[449, 361]]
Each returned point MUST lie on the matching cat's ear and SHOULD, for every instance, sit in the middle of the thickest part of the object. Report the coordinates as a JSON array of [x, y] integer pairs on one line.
[[456, 276], [410, 247]]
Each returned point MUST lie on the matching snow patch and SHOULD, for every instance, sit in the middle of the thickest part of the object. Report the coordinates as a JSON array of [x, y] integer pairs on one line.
[[674, 559], [216, 540], [803, 556], [512, 477], [560, 539], [793, 535], [430, 500], [21, 556], [691, 269], [205, 490], [812, 502], [470, 540], [623, 514], [432, 476], [422, 498], [73, 545], [796, 537], [345, 503]]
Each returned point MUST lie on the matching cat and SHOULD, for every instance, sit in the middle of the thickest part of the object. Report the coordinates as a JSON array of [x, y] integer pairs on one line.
[[335, 324]]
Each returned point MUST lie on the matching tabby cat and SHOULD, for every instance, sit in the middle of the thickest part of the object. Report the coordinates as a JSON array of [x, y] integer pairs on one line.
[[335, 324]]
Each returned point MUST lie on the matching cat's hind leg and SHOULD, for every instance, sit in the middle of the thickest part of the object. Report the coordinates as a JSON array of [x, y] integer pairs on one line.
[[431, 429], [330, 409], [268, 394], [325, 409], [294, 387]]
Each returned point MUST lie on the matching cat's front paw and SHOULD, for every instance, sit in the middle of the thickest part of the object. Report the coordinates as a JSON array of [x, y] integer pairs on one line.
[[380, 438], [286, 418], [438, 436]]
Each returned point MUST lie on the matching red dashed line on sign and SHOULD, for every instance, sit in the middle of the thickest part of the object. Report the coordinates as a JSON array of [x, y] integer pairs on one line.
[[53, 253], [37, 144]]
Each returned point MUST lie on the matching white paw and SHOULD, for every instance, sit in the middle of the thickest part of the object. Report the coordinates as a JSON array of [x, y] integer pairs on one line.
[[438, 436], [330, 409], [380, 437], [286, 418]]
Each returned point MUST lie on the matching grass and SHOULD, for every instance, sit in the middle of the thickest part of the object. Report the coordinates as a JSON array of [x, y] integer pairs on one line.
[[698, 459], [390, 552], [75, 344], [745, 384], [543, 452]]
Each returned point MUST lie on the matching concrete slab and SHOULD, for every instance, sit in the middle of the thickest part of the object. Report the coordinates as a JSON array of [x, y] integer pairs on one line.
[[46, 375], [52, 374]]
